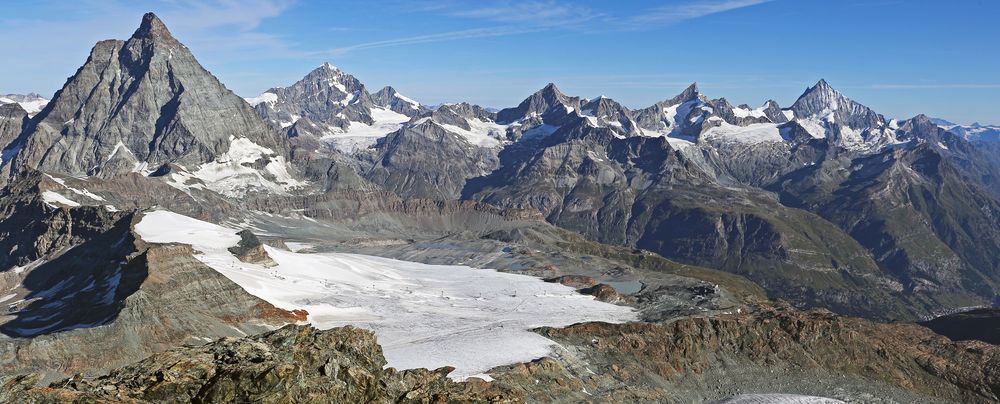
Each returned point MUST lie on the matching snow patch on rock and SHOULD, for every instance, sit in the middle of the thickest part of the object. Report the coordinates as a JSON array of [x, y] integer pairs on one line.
[[425, 316]]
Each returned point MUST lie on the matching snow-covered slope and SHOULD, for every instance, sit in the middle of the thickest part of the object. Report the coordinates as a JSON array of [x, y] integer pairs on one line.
[[32, 103], [331, 105], [975, 131], [360, 135], [424, 315], [234, 174]]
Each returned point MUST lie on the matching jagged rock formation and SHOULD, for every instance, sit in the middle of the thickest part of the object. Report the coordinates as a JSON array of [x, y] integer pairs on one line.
[[389, 98], [251, 250], [156, 105], [823, 100], [325, 95], [401, 164], [640, 192], [825, 203], [31, 103], [329, 109], [669, 362], [88, 295], [975, 132], [294, 363], [549, 104], [597, 178], [13, 118], [706, 358]]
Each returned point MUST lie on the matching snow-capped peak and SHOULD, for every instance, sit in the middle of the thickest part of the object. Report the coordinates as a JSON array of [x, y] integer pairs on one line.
[[266, 97], [31, 103], [690, 93], [823, 102]]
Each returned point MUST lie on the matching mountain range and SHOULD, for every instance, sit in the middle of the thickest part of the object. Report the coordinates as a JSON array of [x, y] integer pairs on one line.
[[147, 203]]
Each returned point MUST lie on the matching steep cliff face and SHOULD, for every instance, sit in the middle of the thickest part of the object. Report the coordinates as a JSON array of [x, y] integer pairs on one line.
[[98, 297], [136, 105], [926, 225], [401, 163], [640, 192], [13, 118]]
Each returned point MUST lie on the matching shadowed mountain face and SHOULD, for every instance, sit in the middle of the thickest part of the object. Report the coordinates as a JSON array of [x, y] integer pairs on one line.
[[978, 324], [693, 211], [894, 230], [825, 203], [135, 105]]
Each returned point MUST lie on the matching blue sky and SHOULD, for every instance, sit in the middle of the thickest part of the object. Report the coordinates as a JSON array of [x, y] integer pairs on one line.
[[899, 57]]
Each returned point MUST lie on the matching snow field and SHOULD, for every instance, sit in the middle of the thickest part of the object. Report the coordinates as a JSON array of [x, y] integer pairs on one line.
[[425, 316]]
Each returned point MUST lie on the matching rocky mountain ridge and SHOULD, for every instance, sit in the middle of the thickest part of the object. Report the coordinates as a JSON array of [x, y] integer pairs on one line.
[[616, 175], [689, 211]]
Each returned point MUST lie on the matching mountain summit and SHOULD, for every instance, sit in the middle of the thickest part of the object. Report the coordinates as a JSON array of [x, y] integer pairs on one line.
[[136, 105], [823, 101], [152, 27]]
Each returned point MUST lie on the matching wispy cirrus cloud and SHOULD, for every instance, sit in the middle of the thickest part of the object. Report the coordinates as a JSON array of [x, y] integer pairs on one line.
[[936, 86], [520, 17], [687, 10], [532, 13], [503, 18], [437, 37]]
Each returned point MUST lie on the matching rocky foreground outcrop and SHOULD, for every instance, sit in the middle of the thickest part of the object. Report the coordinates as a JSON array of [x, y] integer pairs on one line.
[[782, 349], [293, 364], [773, 349]]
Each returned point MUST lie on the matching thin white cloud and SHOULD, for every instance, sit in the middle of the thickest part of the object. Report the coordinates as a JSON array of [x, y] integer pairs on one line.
[[534, 13], [437, 37], [519, 18], [943, 86], [523, 17], [689, 10]]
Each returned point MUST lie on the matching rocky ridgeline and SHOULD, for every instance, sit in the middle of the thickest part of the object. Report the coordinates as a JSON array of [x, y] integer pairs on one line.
[[293, 364], [136, 105], [815, 352], [625, 363]]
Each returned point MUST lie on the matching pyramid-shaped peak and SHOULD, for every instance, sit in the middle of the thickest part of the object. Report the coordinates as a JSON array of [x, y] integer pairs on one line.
[[152, 28], [821, 99], [325, 69], [550, 88], [551, 94], [822, 86], [689, 94]]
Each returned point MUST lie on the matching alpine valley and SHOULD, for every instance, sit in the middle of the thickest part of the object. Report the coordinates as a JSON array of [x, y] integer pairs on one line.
[[166, 240]]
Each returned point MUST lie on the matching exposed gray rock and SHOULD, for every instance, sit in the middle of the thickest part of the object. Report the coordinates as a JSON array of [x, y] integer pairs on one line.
[[402, 162], [251, 250], [550, 104], [141, 102], [389, 98], [822, 99], [13, 119], [326, 96]]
